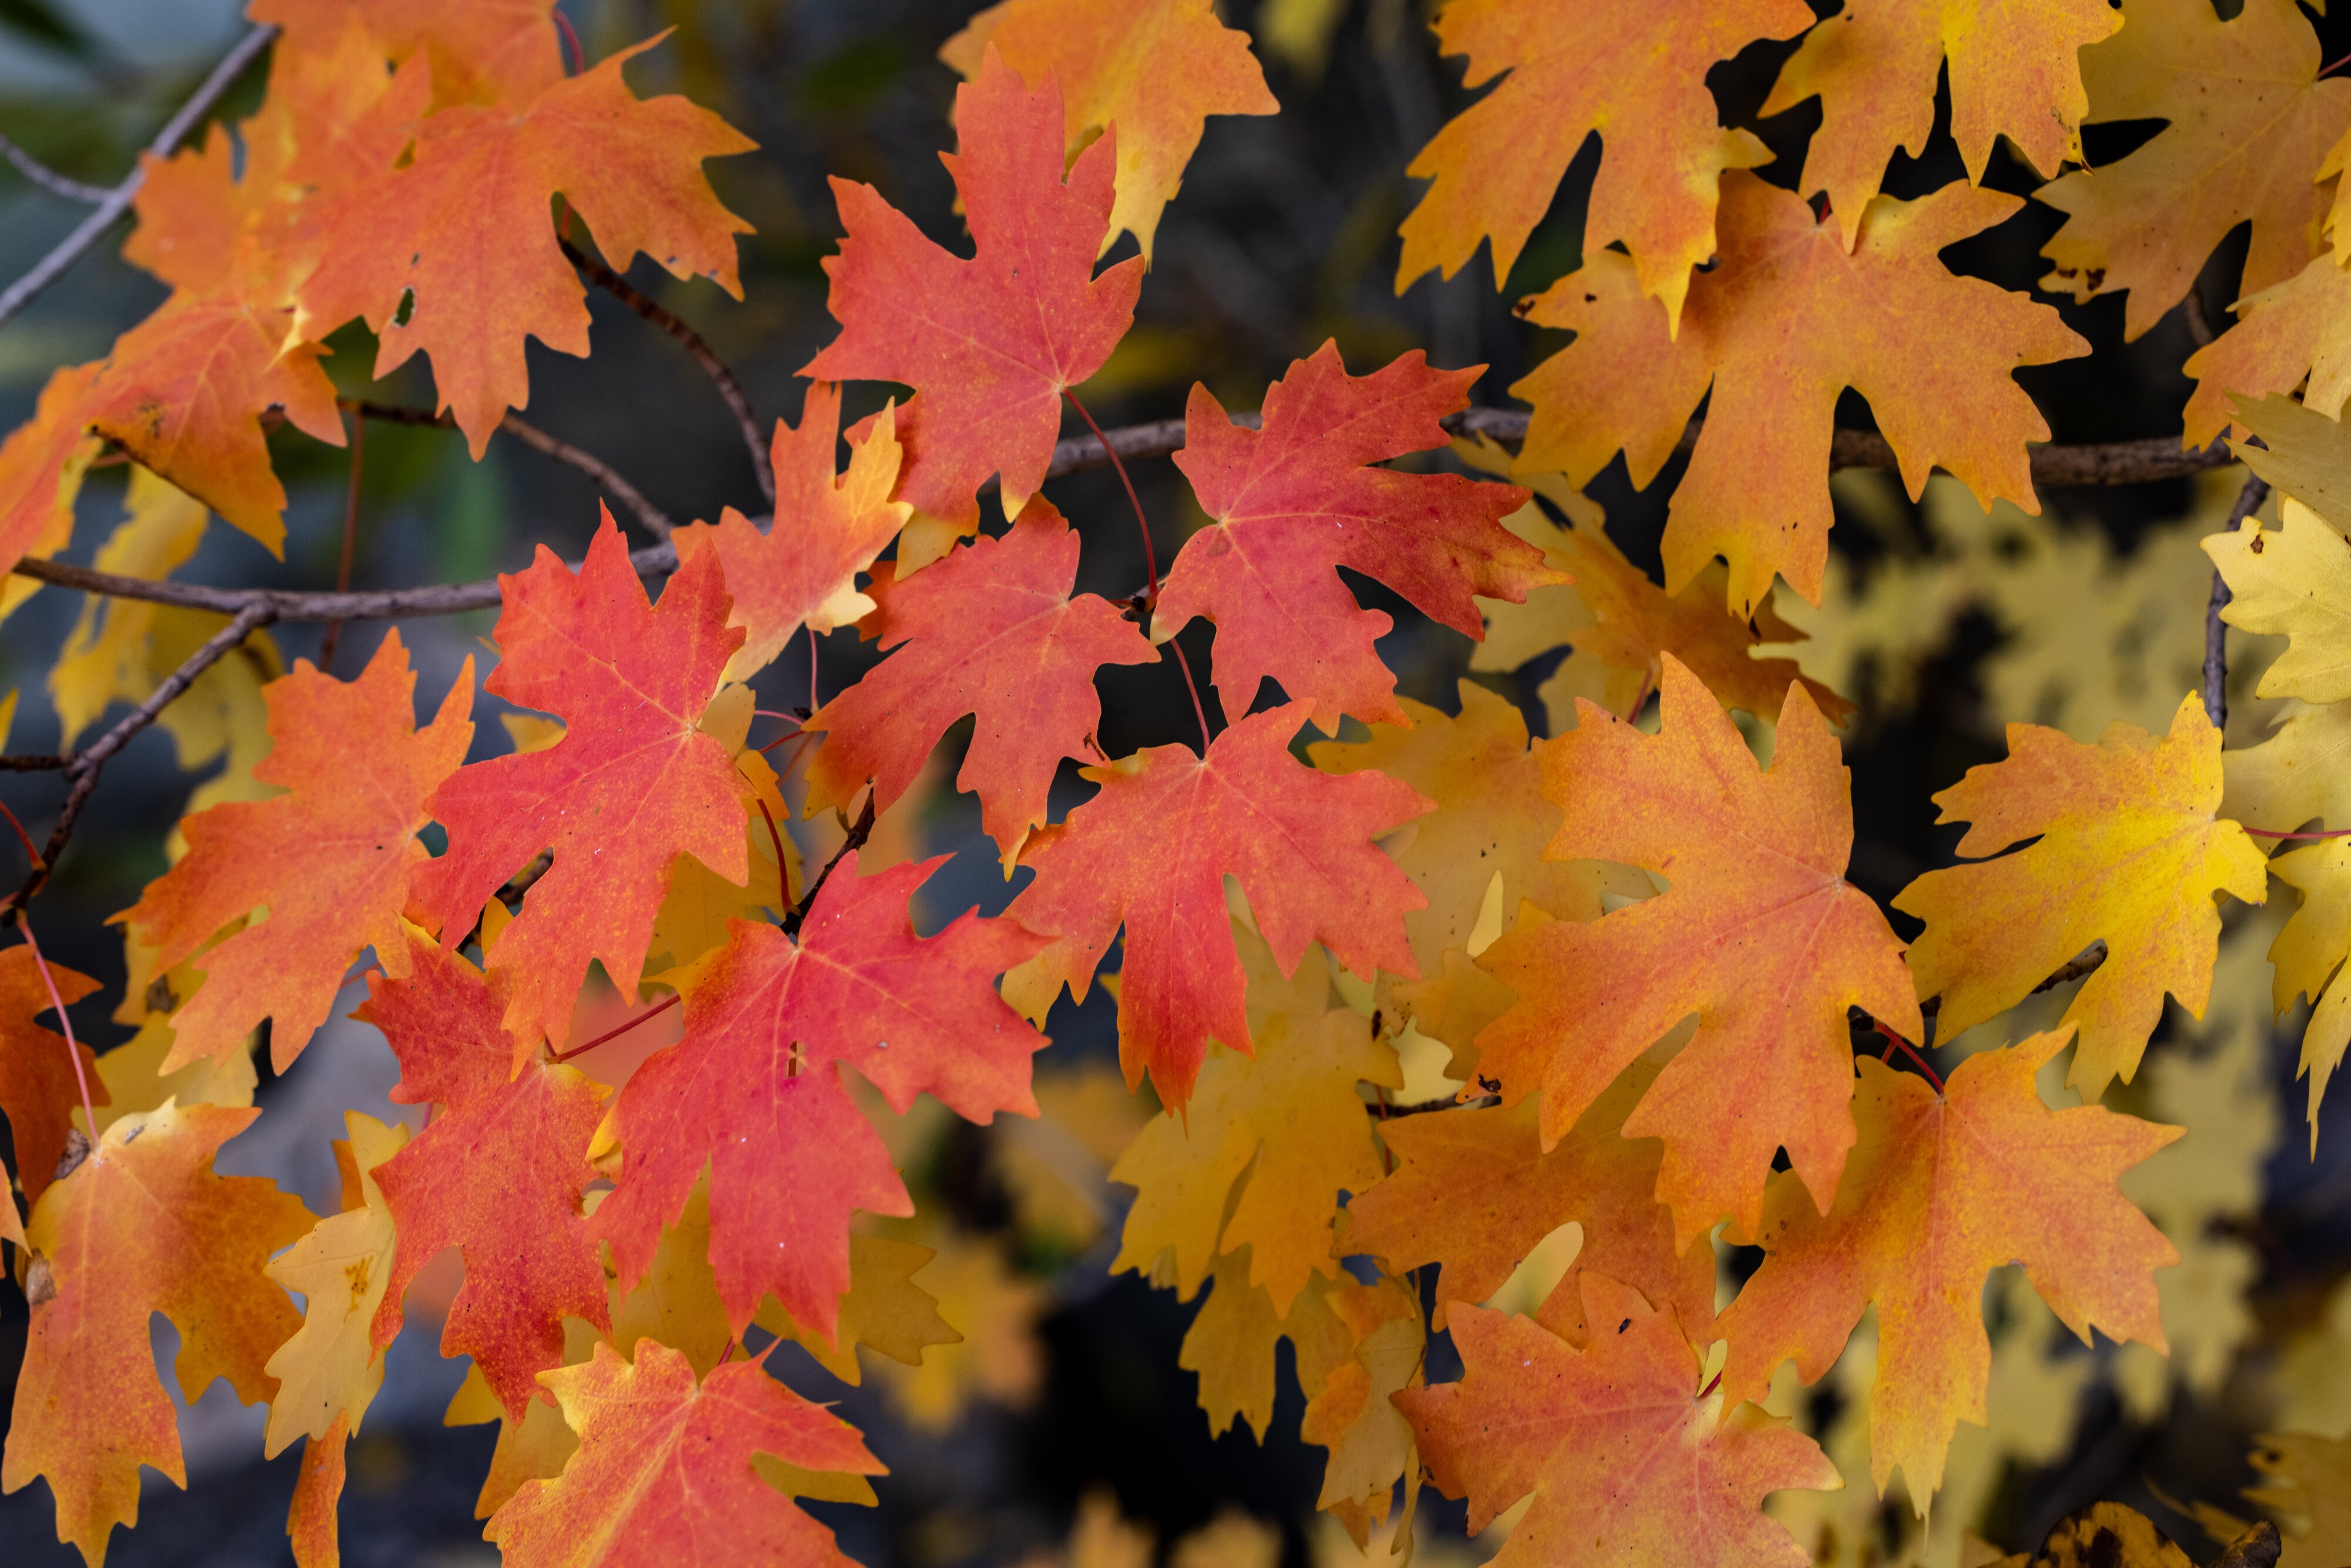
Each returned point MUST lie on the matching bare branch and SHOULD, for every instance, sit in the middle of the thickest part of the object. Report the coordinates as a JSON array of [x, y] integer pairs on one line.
[[117, 202], [84, 766], [738, 402], [48, 179], [858, 834], [2111, 463], [652, 518]]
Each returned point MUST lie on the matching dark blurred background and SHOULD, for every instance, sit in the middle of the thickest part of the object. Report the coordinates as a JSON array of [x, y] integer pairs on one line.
[[1942, 623]]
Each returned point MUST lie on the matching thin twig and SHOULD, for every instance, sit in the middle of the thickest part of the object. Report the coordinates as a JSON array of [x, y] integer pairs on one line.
[[2216, 630], [48, 179], [85, 765], [655, 521], [351, 540], [656, 1010], [858, 834], [69, 250], [739, 401]]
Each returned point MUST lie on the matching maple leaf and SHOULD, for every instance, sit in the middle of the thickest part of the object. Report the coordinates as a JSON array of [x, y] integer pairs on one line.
[[328, 1372], [1300, 497], [454, 251], [1784, 323], [2130, 849], [804, 572], [2015, 71], [633, 783], [2307, 1478], [507, 47], [332, 860], [312, 1529], [989, 344], [991, 632], [39, 1083], [1155, 69], [2287, 336], [885, 1309], [1625, 1458], [1152, 850], [1490, 824], [754, 1090], [1993, 1177], [1759, 935], [2309, 953], [662, 1462], [1291, 1116], [2249, 125], [109, 648], [2292, 581], [497, 1173], [1475, 1190], [142, 1226], [1619, 621], [2301, 451], [1493, 170], [41, 466]]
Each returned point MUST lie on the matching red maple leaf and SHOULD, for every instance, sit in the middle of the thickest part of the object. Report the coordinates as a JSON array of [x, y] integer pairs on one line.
[[38, 1085], [990, 343], [754, 1094], [498, 1174], [992, 632], [662, 1464], [1299, 498], [1152, 850], [632, 784]]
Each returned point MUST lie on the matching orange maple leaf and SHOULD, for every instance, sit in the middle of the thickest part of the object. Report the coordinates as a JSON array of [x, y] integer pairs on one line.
[[991, 632], [1626, 1461], [2129, 847], [754, 1092], [828, 526], [1759, 935], [1297, 499], [497, 1173], [41, 466], [1495, 166], [40, 1089], [332, 860], [1153, 68], [989, 344], [2296, 334], [632, 784], [662, 1464], [1152, 850], [141, 1226], [1941, 1190], [2248, 126], [2016, 71], [1475, 1190], [1785, 322], [508, 48], [454, 252]]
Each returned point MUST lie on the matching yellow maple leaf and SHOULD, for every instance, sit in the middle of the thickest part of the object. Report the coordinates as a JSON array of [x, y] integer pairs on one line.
[[1564, 75], [1490, 824], [1153, 69], [2130, 849], [1291, 1119], [2292, 581], [331, 1369], [107, 655], [992, 1310], [2309, 1483], [2014, 72], [2249, 125]]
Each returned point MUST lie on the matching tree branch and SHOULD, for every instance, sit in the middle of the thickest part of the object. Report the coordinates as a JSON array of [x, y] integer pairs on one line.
[[2121, 463], [117, 202], [858, 834], [738, 402], [654, 520], [48, 179], [83, 767]]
